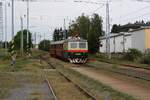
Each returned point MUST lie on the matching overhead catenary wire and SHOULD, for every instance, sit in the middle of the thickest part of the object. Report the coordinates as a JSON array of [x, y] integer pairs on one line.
[[131, 13]]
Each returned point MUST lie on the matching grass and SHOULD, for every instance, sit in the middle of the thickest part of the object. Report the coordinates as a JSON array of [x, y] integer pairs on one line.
[[103, 58], [64, 90], [26, 71], [6, 84], [98, 89], [115, 68]]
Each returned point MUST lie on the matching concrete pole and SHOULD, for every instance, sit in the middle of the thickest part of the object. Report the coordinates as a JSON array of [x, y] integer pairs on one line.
[[44, 40], [6, 26], [21, 39], [28, 27], [12, 19], [108, 30]]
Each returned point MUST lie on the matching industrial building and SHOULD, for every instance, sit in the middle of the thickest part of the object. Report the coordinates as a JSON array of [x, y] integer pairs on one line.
[[1, 21], [121, 42]]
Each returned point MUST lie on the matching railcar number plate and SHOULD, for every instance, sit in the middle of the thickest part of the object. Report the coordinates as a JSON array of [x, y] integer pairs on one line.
[[77, 53]]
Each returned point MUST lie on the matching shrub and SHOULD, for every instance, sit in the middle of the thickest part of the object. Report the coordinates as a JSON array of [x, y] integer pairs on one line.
[[133, 54], [146, 58], [44, 45]]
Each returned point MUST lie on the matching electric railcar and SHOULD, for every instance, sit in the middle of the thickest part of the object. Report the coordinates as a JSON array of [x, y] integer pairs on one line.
[[74, 50]]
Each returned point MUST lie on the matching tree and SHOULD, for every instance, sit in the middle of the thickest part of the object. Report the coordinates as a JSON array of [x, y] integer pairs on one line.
[[84, 25], [115, 28], [55, 35], [80, 27], [58, 34], [44, 45], [17, 40], [95, 32]]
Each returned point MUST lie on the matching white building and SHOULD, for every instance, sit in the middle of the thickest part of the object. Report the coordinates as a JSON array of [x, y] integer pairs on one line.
[[118, 42], [1, 21], [139, 39]]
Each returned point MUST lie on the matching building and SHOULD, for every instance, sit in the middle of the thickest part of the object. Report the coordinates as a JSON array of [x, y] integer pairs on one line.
[[1, 21], [141, 39], [138, 39]]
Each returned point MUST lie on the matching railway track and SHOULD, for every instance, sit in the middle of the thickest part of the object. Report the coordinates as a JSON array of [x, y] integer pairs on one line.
[[126, 65], [84, 91], [51, 88], [124, 69]]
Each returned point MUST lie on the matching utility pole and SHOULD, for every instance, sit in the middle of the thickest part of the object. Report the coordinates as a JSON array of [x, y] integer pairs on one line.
[[64, 24], [28, 48], [108, 30], [35, 39], [1, 24], [12, 46], [6, 26], [44, 40], [64, 32], [21, 39]]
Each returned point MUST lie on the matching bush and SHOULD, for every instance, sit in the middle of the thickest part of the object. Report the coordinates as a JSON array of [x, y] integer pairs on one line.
[[44, 45], [146, 58], [133, 54]]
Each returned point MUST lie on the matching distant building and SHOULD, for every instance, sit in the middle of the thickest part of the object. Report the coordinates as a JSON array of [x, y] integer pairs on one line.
[[1, 21], [138, 39], [141, 39]]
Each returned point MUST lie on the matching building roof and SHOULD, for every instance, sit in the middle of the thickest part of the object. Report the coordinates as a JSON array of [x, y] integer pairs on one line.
[[116, 35], [142, 28]]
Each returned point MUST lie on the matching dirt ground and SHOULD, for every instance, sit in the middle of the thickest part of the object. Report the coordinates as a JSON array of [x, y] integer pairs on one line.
[[118, 83]]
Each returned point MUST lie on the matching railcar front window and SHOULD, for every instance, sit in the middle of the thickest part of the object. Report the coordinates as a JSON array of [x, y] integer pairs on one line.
[[73, 45], [82, 45]]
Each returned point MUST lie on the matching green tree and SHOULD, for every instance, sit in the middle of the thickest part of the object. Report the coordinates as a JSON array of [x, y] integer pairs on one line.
[[58, 35], [44, 45], [84, 25], [80, 27], [55, 35], [115, 28], [133, 54], [17, 40], [95, 32]]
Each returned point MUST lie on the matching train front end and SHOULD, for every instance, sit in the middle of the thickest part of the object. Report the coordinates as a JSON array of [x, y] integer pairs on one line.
[[78, 51]]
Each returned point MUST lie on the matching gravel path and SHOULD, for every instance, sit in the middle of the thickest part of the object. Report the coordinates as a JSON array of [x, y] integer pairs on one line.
[[31, 92], [117, 83]]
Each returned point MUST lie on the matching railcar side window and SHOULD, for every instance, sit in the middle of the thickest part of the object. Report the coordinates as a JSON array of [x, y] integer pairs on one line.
[[82, 45], [73, 45]]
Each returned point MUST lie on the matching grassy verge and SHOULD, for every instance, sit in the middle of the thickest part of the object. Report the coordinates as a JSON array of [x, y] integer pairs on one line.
[[64, 89], [103, 58], [98, 89], [26, 73]]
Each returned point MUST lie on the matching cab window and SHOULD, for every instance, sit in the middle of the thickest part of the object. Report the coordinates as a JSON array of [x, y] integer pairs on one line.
[[82, 45], [73, 45]]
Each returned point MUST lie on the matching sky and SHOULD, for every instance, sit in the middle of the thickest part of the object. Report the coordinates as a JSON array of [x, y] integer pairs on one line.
[[46, 15]]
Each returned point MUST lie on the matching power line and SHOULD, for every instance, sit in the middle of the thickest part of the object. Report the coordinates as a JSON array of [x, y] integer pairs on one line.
[[133, 12], [135, 17]]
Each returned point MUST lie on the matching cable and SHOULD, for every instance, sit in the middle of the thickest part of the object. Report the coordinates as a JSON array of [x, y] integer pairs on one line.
[[131, 13]]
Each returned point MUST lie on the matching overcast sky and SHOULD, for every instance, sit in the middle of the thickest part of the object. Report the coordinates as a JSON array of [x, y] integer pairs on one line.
[[49, 14]]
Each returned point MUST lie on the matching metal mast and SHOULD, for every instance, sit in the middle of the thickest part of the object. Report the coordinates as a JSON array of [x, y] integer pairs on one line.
[[108, 30], [12, 46], [21, 36], [6, 25], [1, 23], [28, 48]]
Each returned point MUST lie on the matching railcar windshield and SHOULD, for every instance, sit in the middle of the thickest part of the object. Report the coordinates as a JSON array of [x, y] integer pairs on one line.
[[82, 45], [73, 45]]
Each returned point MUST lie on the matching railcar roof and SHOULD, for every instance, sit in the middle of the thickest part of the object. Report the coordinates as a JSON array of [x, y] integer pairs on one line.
[[68, 40]]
